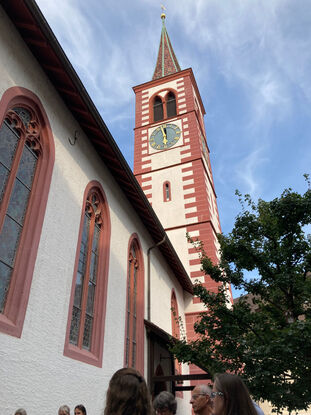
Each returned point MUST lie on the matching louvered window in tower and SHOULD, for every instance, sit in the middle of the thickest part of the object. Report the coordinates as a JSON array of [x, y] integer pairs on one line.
[[171, 105], [157, 109]]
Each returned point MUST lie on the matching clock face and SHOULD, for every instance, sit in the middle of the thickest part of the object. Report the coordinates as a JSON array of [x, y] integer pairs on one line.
[[165, 136]]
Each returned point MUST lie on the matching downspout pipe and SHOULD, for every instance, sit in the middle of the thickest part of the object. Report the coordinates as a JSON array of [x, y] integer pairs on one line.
[[148, 276]]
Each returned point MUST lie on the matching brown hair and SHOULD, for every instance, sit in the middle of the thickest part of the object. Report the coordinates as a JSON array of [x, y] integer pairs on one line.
[[128, 394], [237, 400], [82, 408]]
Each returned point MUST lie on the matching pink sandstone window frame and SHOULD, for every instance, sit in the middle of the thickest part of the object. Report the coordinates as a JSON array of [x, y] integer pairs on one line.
[[175, 333], [94, 356], [13, 316], [164, 101], [139, 363], [167, 185]]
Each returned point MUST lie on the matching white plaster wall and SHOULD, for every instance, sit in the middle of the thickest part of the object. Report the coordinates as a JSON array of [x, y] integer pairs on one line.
[[162, 283], [36, 373], [180, 243], [169, 213]]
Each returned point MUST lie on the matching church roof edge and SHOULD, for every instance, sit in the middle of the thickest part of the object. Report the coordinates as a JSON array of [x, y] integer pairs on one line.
[[38, 36]]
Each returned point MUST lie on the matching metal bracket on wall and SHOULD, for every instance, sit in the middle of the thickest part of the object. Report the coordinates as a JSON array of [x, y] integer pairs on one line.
[[73, 142]]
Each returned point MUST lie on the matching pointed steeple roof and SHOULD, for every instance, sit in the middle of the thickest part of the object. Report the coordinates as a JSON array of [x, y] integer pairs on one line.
[[167, 62]]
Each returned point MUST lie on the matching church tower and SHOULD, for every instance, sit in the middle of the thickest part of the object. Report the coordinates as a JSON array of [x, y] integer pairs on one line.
[[172, 163]]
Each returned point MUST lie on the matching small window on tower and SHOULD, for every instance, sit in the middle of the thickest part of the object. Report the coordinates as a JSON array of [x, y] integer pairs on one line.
[[157, 109], [171, 105], [167, 191]]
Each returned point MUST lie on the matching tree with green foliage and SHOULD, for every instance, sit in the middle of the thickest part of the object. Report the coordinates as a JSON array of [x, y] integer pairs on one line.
[[265, 336]]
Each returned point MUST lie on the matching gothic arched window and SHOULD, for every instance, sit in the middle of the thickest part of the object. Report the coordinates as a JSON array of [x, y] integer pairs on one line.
[[170, 104], [175, 333], [88, 299], [26, 162], [157, 109], [135, 311]]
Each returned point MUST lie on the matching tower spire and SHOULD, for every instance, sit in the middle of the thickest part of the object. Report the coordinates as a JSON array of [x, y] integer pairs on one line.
[[166, 62]]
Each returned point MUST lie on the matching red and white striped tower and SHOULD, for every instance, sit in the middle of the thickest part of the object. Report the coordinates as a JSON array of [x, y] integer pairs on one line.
[[172, 164]]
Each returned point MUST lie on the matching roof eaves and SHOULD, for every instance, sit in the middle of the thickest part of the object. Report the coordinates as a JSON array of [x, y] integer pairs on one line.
[[73, 87]]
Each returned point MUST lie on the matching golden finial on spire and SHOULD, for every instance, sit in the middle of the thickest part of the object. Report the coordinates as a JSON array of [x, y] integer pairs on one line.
[[163, 14]]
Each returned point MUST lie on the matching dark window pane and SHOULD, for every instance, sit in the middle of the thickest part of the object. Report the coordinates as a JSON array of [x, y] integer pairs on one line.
[[23, 114], [86, 227], [134, 355], [78, 290], [171, 105], [5, 276], [90, 299], [74, 327], [9, 238], [167, 191], [127, 352], [87, 335], [93, 267], [8, 145], [157, 109], [4, 174], [95, 239], [18, 202], [81, 264], [27, 166], [135, 291]]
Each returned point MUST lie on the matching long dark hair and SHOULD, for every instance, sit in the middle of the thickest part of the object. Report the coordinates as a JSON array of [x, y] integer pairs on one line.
[[128, 394], [237, 400]]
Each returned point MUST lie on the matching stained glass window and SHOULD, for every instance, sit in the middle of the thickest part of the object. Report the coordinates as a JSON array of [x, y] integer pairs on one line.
[[18, 162], [175, 328], [131, 325], [82, 317]]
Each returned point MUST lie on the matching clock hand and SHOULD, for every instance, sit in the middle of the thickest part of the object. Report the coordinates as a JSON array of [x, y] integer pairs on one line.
[[164, 135]]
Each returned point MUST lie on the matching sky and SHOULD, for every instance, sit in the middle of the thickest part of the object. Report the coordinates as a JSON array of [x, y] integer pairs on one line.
[[252, 63]]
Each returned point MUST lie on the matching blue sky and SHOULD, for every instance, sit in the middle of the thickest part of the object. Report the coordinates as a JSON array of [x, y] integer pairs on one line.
[[252, 63]]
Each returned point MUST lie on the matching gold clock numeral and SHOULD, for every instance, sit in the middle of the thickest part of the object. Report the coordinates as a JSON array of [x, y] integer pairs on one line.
[[176, 138], [158, 147]]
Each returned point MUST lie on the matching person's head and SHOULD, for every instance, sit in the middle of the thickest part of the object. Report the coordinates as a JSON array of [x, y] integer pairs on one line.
[[64, 410], [231, 396], [20, 411], [128, 394], [80, 410], [201, 400], [165, 403]]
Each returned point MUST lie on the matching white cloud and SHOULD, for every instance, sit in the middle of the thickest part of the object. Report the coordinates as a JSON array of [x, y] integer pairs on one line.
[[247, 171]]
